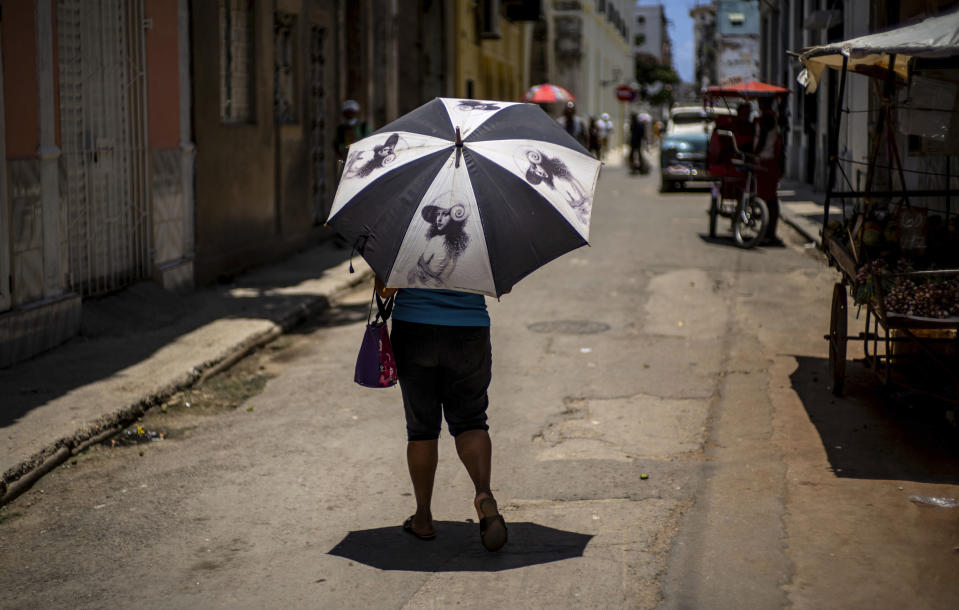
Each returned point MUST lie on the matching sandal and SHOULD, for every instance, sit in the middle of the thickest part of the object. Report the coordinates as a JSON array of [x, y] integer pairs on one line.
[[492, 526], [408, 528]]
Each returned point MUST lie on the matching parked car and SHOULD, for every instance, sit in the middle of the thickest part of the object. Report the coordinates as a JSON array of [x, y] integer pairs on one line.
[[682, 148]]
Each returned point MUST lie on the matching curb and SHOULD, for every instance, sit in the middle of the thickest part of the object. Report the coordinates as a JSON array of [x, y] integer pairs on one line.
[[20, 477], [802, 231]]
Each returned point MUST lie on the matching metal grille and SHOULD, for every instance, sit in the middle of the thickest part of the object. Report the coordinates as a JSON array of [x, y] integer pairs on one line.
[[104, 178], [318, 139], [236, 61]]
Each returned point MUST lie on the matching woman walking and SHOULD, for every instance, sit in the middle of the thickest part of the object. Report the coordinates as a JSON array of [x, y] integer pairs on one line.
[[441, 341]]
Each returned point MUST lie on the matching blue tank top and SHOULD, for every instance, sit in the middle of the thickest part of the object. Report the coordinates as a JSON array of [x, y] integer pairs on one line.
[[442, 307]]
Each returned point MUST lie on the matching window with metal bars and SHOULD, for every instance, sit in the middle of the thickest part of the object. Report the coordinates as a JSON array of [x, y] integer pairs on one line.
[[236, 61]]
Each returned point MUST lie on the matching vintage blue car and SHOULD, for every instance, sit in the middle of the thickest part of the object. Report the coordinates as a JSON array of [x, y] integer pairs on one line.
[[682, 149]]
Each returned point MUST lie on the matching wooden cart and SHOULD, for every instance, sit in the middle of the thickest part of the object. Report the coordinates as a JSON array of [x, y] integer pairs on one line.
[[913, 352], [920, 353]]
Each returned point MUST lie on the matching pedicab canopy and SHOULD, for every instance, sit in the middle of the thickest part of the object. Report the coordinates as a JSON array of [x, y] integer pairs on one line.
[[933, 37], [747, 90]]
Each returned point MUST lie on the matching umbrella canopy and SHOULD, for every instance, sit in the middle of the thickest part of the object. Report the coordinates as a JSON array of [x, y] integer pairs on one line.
[[548, 94], [933, 37], [465, 195]]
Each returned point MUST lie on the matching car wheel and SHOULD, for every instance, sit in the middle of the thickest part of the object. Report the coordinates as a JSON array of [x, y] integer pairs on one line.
[[665, 186]]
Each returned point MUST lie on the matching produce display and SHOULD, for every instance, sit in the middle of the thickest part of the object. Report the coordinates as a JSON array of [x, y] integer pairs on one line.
[[929, 300], [888, 249]]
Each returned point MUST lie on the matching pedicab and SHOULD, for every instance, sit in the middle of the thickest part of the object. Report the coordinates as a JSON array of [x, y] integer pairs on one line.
[[895, 241], [745, 181]]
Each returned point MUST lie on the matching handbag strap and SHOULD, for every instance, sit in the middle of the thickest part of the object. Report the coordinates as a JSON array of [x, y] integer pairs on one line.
[[384, 308]]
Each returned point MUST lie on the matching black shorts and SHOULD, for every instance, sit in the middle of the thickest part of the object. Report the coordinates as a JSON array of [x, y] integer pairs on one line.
[[443, 371]]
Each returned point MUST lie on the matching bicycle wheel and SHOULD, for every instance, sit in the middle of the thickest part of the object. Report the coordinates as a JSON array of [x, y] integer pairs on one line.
[[749, 221]]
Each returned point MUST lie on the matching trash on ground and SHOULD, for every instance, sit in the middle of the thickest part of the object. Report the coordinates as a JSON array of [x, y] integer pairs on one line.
[[936, 501]]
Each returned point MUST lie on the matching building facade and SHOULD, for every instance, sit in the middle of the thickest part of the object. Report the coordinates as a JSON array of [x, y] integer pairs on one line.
[[491, 54], [181, 142], [587, 47], [650, 35], [792, 25], [737, 41], [97, 183], [704, 41]]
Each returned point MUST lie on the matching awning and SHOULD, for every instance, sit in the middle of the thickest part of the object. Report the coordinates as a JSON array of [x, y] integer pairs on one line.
[[930, 38]]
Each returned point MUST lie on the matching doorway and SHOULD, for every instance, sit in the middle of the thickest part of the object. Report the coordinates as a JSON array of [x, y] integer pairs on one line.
[[104, 171]]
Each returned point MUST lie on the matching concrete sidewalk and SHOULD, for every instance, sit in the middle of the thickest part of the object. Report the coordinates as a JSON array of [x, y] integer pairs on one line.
[[138, 347]]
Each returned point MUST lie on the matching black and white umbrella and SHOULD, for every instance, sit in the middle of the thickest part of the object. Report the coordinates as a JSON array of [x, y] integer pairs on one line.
[[466, 195]]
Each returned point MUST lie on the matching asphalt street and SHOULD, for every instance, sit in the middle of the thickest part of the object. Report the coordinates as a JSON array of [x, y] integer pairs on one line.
[[663, 432]]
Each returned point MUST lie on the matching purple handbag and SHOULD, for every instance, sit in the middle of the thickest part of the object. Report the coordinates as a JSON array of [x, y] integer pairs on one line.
[[375, 364]]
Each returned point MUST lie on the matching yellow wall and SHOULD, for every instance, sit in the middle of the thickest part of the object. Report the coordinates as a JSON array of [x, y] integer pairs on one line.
[[494, 66]]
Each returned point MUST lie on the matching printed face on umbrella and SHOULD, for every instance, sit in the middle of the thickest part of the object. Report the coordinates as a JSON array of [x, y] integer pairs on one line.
[[477, 105], [551, 173], [467, 195], [443, 242], [364, 161]]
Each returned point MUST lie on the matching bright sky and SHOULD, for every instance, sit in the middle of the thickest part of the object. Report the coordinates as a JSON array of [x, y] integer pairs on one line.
[[680, 33]]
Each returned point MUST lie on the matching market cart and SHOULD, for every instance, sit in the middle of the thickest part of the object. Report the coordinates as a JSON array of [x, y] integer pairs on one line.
[[896, 241]]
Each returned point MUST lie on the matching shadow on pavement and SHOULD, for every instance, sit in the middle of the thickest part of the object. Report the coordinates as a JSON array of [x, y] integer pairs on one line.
[[457, 548], [876, 431], [122, 329], [727, 240], [719, 240]]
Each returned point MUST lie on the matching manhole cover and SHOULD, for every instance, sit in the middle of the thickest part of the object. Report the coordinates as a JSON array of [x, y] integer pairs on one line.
[[569, 327]]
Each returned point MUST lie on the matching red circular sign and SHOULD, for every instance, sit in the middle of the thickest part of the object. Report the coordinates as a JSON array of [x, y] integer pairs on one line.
[[625, 93]]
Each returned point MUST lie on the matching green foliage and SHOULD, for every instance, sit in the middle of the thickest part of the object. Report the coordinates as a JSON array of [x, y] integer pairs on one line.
[[649, 71]]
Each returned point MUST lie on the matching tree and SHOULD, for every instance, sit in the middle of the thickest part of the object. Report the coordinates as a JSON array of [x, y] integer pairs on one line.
[[656, 79]]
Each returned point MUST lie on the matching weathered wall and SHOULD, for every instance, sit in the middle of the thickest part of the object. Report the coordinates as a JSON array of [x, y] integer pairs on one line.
[[20, 78], [163, 79], [170, 178], [235, 175], [492, 65], [258, 192], [738, 59]]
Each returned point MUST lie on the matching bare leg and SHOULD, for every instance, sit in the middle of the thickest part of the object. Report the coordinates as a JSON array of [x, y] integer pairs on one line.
[[476, 452], [421, 457]]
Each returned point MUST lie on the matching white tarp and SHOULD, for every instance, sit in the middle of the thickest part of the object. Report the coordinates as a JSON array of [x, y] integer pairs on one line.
[[932, 37]]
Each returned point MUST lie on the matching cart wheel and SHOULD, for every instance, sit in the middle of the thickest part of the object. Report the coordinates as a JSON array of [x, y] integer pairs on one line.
[[713, 212], [838, 338], [749, 223]]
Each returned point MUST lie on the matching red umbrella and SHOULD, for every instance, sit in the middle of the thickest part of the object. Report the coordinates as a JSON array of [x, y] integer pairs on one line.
[[548, 94]]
